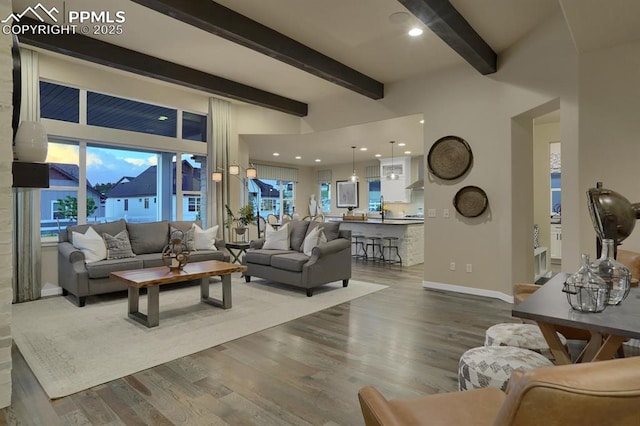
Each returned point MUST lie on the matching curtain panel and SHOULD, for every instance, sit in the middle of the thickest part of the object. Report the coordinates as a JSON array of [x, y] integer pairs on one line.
[[324, 176], [218, 148], [277, 173], [27, 259], [372, 172]]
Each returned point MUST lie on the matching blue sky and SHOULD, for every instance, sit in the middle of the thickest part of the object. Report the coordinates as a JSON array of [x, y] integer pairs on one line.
[[104, 165]]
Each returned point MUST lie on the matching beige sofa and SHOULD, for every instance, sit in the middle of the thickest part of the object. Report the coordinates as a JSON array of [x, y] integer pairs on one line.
[[329, 262], [81, 279]]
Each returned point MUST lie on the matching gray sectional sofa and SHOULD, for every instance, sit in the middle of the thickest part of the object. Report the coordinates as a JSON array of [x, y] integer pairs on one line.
[[329, 262], [81, 279]]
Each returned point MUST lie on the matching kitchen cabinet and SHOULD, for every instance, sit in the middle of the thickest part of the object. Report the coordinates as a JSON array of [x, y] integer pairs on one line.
[[394, 191], [556, 241]]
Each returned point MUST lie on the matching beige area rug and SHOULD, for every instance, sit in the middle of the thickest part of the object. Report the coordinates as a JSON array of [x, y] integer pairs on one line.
[[71, 349]]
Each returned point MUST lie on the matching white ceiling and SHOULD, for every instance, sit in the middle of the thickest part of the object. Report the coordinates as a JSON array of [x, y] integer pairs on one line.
[[358, 33], [334, 146]]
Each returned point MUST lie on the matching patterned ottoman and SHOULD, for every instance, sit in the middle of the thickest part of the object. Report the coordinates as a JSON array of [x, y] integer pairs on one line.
[[525, 336], [491, 366]]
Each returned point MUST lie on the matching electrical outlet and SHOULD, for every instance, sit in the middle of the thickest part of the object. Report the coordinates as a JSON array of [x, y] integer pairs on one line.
[[432, 212], [445, 213], [452, 266], [469, 267]]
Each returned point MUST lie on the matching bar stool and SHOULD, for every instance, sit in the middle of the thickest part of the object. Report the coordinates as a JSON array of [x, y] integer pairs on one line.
[[391, 243], [359, 249], [373, 242]]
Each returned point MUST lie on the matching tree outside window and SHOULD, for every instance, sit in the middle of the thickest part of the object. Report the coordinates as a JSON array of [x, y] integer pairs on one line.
[[67, 208]]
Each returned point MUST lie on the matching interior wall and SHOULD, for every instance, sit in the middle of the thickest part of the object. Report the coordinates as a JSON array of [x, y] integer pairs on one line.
[[343, 172], [543, 135], [478, 108], [609, 129], [459, 101]]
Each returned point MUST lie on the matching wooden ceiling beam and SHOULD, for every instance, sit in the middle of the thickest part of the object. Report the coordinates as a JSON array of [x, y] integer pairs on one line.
[[224, 22], [448, 24], [100, 52]]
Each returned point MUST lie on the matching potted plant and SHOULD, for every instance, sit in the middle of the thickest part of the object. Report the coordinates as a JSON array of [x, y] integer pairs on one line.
[[240, 221]]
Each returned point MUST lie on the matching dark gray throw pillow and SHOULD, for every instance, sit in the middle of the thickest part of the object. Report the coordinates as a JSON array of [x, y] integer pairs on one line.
[[331, 229], [118, 246], [148, 237]]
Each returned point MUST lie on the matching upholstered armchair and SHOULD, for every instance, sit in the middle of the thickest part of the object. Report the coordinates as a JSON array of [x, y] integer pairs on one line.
[[597, 393]]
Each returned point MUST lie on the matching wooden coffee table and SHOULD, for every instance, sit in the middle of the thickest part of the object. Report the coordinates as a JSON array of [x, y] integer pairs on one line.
[[153, 278]]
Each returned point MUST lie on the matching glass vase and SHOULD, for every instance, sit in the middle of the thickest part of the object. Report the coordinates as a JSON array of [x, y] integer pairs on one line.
[[614, 273], [585, 290]]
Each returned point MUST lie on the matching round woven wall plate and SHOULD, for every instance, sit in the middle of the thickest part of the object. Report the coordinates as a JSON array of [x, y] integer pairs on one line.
[[449, 157], [470, 201]]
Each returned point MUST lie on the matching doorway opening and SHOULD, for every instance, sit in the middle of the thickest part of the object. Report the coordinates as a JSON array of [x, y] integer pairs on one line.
[[547, 190]]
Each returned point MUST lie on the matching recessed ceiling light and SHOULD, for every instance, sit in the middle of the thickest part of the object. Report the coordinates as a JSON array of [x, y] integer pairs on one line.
[[363, 149], [402, 144], [415, 32], [407, 152], [163, 117], [399, 17], [317, 160], [422, 121], [276, 154], [378, 155], [298, 157]]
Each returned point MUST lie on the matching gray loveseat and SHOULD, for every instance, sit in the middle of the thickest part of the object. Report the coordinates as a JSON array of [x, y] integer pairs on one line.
[[147, 240], [329, 262]]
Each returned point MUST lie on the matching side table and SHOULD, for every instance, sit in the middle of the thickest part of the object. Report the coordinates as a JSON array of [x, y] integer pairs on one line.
[[236, 249]]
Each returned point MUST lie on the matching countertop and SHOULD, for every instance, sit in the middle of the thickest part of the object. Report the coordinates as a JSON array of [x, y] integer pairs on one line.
[[376, 221]]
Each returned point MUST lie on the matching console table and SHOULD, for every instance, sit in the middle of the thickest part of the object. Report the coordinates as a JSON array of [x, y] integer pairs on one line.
[[549, 307]]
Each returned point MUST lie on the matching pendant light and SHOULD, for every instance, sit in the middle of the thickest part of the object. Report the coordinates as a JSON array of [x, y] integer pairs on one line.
[[354, 177], [393, 175]]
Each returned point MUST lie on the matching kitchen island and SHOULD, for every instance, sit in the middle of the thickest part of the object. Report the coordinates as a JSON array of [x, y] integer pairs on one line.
[[410, 233]]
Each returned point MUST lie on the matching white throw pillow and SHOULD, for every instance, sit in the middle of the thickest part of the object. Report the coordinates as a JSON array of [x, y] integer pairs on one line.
[[277, 239], [91, 244], [205, 239], [315, 237]]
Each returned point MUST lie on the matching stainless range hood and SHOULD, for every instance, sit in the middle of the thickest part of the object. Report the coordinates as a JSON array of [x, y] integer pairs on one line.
[[419, 184]]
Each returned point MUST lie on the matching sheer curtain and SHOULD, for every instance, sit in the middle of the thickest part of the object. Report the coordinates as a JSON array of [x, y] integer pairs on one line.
[[26, 201]]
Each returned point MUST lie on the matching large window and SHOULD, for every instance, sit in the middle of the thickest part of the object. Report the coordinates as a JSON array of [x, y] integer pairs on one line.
[[98, 182], [193, 186], [118, 113], [325, 197], [194, 127], [556, 194], [59, 102], [57, 209], [374, 195], [275, 197]]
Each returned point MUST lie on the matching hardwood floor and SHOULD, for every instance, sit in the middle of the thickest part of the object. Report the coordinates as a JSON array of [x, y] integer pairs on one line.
[[405, 340]]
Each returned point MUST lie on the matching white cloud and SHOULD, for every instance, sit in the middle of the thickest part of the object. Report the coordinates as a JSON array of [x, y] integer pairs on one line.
[[149, 161], [93, 160], [62, 153]]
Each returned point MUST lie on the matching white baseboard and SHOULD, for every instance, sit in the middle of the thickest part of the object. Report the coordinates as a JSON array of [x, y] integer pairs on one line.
[[50, 291], [468, 290]]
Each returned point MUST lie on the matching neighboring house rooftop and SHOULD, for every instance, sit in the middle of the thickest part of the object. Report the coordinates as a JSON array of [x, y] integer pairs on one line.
[[266, 190], [72, 173], [145, 184]]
